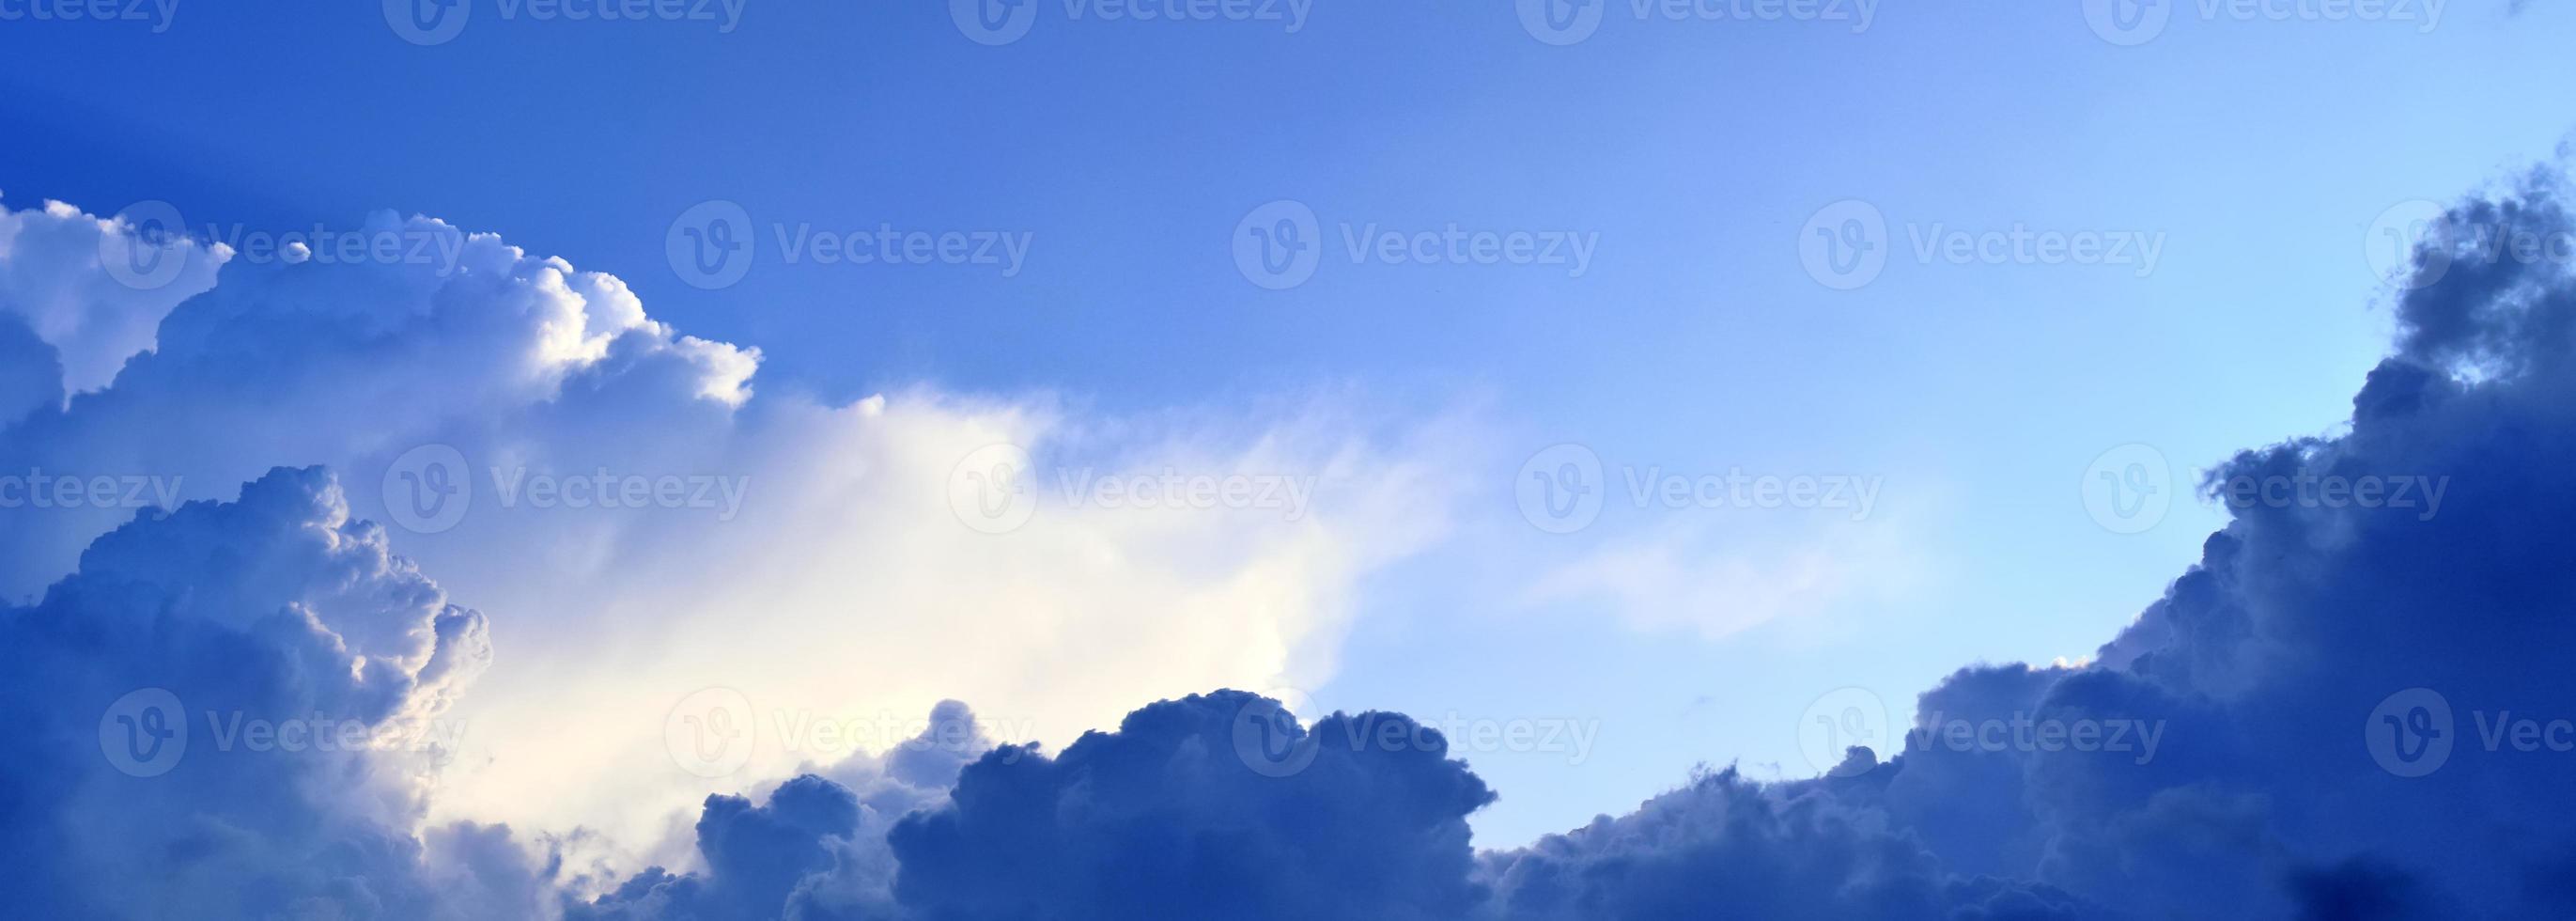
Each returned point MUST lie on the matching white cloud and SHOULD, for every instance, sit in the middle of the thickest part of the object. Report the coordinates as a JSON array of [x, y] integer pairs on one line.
[[1693, 574], [828, 574], [51, 277]]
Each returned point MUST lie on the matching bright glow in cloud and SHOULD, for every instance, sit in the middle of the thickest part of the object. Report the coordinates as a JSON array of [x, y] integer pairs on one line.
[[811, 558]]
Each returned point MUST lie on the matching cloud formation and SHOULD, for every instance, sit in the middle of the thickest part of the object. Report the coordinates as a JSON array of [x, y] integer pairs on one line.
[[2240, 751], [816, 849], [2323, 718], [94, 288], [642, 523], [231, 711]]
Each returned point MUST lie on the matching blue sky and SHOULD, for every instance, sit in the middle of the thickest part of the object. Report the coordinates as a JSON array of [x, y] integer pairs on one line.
[[2257, 154]]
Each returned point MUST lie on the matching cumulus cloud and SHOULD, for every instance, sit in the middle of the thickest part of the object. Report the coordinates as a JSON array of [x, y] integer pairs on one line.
[[2266, 706], [813, 558], [1725, 845], [816, 849], [2239, 751], [231, 710], [95, 288], [1189, 811]]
